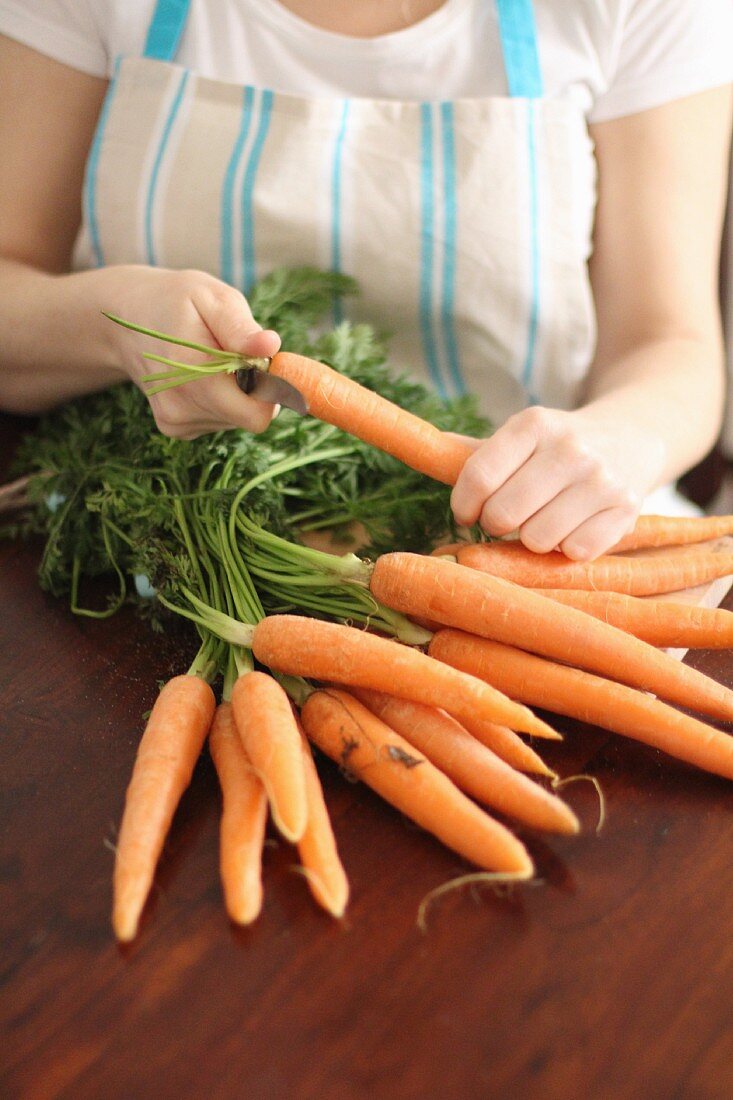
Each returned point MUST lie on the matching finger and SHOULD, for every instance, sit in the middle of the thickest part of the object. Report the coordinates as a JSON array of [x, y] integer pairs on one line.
[[486, 470], [223, 401], [469, 440], [556, 524], [597, 535], [542, 477], [227, 314], [209, 404]]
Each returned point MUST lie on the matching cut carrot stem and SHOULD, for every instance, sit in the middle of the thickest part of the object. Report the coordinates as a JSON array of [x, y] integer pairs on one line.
[[472, 767], [356, 739], [271, 738], [243, 819], [657, 622], [317, 847], [589, 698], [332, 652], [643, 575], [338, 400], [674, 531], [167, 754], [495, 608]]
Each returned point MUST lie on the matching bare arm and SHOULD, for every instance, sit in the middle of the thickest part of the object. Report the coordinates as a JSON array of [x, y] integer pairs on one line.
[[54, 343], [655, 391]]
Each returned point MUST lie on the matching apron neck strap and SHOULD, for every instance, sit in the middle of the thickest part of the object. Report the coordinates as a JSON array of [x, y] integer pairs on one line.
[[166, 29], [519, 46]]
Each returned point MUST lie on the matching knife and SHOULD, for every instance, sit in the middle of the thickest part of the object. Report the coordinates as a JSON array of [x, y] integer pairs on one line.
[[255, 381]]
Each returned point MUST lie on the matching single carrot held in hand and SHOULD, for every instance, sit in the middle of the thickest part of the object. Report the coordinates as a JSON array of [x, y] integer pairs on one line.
[[337, 400], [674, 531], [168, 751], [643, 575], [328, 651], [590, 698], [356, 739], [470, 765], [495, 608], [317, 846], [271, 738], [657, 622], [243, 820]]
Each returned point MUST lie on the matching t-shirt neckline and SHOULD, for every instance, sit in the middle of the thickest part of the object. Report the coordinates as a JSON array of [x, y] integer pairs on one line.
[[285, 20]]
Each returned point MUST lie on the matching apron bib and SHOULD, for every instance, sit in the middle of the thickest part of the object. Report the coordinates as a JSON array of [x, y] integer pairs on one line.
[[459, 219]]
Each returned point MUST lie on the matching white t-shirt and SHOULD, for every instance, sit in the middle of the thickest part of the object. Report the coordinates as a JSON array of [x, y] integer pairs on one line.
[[613, 58]]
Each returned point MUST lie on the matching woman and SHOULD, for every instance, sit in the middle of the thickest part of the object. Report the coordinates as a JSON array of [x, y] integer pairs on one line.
[[442, 151]]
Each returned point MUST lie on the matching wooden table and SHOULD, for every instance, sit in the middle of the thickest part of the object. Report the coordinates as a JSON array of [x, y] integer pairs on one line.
[[609, 977]]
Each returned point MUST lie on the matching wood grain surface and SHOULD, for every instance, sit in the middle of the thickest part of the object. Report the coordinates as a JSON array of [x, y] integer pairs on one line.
[[611, 976]]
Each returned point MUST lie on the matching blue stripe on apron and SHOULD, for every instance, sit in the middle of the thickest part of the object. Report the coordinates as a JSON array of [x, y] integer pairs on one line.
[[166, 29], [449, 247], [250, 174], [427, 216], [338, 312], [227, 197], [150, 200], [90, 182], [524, 77], [534, 248]]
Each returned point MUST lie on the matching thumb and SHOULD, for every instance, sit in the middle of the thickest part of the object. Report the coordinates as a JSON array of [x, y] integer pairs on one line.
[[227, 314]]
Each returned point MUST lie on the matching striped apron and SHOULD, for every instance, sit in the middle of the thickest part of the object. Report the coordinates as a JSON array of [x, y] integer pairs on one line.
[[467, 224]]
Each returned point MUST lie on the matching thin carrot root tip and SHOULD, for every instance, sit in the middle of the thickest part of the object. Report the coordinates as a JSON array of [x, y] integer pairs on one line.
[[493, 878], [557, 783], [336, 906]]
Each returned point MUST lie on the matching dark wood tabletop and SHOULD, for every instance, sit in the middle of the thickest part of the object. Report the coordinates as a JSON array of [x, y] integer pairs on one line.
[[609, 976]]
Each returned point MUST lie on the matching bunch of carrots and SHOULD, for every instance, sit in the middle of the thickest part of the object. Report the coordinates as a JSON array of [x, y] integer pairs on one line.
[[431, 717]]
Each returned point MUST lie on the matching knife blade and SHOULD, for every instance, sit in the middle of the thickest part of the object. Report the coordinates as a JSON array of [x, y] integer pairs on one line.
[[256, 382]]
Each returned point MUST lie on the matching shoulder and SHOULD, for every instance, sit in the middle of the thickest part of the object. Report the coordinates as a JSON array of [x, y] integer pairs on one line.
[[620, 57], [85, 34]]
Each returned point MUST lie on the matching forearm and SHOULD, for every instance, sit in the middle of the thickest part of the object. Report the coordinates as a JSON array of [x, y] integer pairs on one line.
[[55, 343], [663, 400]]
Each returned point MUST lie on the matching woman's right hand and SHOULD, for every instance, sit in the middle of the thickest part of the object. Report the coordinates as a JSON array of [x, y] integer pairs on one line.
[[194, 306]]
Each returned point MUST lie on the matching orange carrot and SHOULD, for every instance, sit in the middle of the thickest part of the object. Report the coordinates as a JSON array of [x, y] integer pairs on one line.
[[317, 846], [472, 767], [643, 575], [243, 819], [338, 400], [674, 531], [508, 745], [271, 739], [494, 608], [166, 756], [354, 737], [590, 698], [328, 651], [657, 622]]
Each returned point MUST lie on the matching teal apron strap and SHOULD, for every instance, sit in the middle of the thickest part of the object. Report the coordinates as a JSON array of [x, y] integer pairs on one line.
[[519, 47], [166, 29], [521, 60]]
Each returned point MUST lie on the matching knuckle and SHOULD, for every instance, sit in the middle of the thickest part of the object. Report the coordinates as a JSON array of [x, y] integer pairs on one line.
[[188, 280], [572, 450], [535, 418]]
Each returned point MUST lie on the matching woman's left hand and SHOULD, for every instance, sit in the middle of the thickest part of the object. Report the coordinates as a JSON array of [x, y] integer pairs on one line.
[[561, 479]]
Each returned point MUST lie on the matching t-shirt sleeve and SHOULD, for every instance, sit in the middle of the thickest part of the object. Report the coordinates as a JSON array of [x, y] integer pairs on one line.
[[666, 49], [70, 31]]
